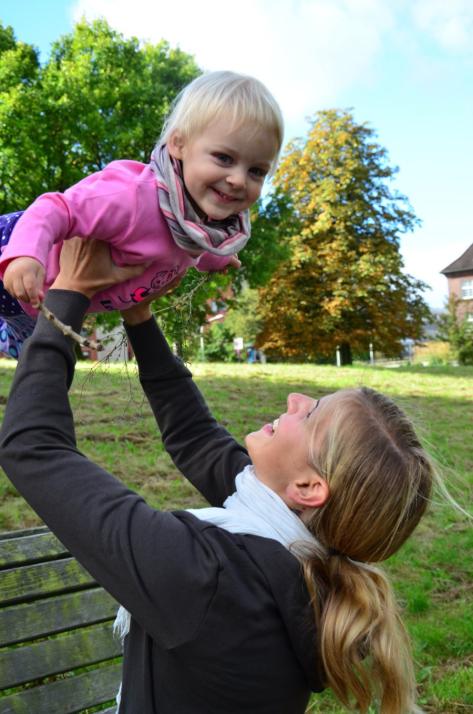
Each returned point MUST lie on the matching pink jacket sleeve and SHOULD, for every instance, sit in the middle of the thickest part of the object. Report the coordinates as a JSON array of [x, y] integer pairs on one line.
[[209, 263], [103, 206]]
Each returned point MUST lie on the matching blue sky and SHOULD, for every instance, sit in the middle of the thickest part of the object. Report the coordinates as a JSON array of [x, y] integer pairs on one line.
[[404, 66]]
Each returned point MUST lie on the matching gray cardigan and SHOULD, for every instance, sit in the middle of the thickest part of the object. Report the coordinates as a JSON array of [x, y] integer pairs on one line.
[[221, 623]]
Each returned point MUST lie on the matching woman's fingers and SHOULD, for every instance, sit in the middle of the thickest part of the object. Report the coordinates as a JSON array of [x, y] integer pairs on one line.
[[86, 266]]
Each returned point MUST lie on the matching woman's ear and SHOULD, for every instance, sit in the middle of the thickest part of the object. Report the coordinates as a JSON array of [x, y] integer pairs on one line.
[[175, 145], [308, 491]]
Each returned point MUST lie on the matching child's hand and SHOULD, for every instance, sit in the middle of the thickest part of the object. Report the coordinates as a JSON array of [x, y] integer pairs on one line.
[[24, 279], [234, 262]]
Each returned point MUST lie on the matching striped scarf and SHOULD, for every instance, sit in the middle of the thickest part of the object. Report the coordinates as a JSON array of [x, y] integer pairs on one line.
[[189, 231]]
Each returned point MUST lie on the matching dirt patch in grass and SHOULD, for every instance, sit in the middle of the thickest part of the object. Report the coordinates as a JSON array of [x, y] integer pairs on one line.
[[132, 438]]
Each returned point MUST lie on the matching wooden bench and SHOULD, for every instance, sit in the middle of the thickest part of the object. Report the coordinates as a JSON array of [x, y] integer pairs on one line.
[[57, 651]]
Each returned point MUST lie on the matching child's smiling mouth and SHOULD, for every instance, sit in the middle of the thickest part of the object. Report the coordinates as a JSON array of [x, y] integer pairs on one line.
[[224, 197]]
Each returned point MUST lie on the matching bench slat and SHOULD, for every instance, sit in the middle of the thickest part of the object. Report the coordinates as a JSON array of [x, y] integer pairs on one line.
[[48, 657], [51, 615], [30, 548], [66, 696], [18, 584]]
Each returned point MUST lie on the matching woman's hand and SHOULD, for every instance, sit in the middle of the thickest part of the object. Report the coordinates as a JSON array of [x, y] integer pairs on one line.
[[86, 267]]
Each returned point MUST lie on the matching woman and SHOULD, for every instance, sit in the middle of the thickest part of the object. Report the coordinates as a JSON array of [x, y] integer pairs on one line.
[[250, 607]]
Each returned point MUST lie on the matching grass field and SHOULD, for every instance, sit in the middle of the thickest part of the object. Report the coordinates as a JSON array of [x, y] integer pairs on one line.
[[432, 573]]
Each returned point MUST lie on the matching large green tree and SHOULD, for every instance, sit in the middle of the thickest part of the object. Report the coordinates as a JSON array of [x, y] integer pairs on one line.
[[343, 284], [19, 72], [272, 223], [98, 97]]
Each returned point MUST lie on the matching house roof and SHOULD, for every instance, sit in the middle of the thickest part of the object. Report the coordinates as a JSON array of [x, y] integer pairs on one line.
[[463, 264]]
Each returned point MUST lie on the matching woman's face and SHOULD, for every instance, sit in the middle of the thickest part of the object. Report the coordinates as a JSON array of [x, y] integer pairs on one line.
[[280, 451]]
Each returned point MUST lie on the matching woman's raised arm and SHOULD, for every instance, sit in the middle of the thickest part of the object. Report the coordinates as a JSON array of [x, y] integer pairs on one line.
[[206, 454]]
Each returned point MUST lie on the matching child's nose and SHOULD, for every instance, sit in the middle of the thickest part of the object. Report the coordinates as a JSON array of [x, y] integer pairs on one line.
[[237, 178]]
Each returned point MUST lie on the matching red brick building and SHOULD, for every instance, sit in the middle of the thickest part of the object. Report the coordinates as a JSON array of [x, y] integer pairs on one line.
[[460, 282]]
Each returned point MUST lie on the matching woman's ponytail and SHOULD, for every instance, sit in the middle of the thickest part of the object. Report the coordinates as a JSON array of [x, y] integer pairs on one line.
[[365, 648], [380, 481]]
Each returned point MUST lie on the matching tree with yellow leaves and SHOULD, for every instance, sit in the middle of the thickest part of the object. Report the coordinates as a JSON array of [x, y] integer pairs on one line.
[[343, 284]]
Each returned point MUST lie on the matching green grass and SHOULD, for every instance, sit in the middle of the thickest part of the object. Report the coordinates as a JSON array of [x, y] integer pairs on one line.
[[432, 573]]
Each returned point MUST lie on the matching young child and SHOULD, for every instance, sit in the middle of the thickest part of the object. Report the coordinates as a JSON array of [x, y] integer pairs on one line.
[[188, 207]]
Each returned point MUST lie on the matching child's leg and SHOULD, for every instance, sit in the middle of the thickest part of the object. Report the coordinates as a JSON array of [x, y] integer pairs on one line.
[[7, 224], [14, 332], [15, 324]]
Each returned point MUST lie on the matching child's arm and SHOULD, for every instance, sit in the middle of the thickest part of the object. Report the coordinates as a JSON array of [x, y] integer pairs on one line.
[[210, 263], [104, 205]]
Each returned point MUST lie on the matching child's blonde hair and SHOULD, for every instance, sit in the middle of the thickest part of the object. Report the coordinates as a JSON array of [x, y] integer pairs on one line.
[[380, 480], [240, 98]]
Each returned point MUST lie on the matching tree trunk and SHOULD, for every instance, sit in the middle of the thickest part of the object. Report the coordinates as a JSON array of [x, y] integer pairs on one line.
[[345, 353]]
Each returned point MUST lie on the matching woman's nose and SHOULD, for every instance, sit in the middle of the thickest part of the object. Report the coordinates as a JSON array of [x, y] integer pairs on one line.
[[295, 401]]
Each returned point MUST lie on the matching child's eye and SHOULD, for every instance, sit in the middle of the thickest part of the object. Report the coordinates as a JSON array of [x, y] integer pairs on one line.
[[223, 158], [258, 172]]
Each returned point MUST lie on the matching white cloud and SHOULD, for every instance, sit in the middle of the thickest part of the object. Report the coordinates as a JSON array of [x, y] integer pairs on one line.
[[449, 22], [306, 51]]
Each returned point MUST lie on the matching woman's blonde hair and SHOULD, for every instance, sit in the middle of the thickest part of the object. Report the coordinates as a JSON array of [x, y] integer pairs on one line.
[[241, 99], [380, 482]]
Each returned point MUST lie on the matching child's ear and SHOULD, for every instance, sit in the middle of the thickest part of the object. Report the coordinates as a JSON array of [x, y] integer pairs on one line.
[[175, 145]]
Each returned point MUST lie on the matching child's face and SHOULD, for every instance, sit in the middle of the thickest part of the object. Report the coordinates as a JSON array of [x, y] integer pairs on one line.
[[224, 169]]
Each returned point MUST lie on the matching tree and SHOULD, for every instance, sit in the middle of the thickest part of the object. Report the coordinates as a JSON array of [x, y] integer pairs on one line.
[[457, 330], [243, 318], [19, 70], [218, 341], [272, 223], [99, 97], [343, 284]]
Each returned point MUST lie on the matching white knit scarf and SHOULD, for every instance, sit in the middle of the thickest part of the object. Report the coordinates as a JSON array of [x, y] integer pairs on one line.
[[189, 231], [254, 509]]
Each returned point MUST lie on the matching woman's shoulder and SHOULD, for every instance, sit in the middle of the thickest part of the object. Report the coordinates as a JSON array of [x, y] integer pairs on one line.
[[260, 577]]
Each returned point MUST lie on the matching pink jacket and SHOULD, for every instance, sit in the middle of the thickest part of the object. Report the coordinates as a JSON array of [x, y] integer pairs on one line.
[[118, 205]]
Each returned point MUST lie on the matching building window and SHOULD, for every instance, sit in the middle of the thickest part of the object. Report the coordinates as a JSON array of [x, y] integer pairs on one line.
[[467, 289]]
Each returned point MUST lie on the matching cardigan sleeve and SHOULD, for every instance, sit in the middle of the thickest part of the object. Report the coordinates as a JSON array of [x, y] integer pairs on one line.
[[205, 453], [148, 560]]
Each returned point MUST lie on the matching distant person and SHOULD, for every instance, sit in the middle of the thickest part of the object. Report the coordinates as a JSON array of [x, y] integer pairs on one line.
[[272, 592], [252, 355], [188, 207]]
